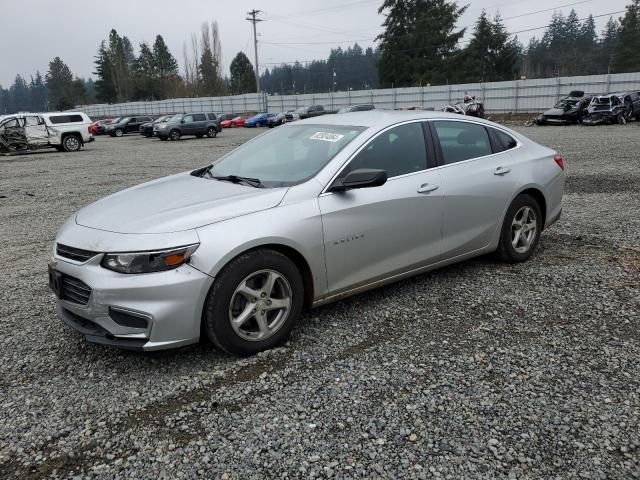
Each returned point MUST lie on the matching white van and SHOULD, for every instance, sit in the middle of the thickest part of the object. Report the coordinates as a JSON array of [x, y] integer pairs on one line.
[[65, 131]]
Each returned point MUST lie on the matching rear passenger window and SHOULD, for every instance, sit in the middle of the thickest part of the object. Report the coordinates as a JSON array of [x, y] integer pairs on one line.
[[57, 119], [199, 117], [211, 116], [506, 140], [461, 141]]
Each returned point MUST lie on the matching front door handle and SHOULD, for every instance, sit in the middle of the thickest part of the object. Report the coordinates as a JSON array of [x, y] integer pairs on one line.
[[427, 188], [501, 171]]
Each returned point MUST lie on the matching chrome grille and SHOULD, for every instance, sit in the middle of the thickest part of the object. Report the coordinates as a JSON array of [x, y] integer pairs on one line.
[[75, 290], [73, 253]]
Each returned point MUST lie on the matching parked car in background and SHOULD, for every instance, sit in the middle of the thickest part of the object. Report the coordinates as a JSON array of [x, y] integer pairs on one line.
[[569, 110], [226, 116], [146, 129], [67, 131], [313, 111], [605, 109], [303, 215], [126, 125], [259, 120], [97, 128], [357, 108], [182, 124], [278, 119], [234, 122], [291, 116], [631, 101]]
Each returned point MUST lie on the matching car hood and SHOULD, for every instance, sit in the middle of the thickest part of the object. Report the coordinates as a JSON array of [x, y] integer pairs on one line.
[[176, 203]]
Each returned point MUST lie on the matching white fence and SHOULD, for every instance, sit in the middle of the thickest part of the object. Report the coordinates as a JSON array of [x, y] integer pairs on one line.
[[518, 96]]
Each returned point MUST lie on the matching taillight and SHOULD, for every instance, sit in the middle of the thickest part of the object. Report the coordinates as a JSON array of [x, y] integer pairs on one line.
[[559, 160]]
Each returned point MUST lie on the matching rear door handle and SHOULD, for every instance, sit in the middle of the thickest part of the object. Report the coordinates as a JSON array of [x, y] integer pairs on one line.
[[427, 188], [501, 171]]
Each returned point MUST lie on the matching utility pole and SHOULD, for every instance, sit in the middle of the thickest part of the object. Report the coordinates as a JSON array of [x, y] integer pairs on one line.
[[252, 18]]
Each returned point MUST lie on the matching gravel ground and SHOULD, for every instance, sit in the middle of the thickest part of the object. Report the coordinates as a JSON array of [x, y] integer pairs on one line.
[[479, 370]]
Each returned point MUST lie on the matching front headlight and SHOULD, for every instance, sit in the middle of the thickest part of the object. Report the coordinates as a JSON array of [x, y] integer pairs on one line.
[[162, 125], [147, 262]]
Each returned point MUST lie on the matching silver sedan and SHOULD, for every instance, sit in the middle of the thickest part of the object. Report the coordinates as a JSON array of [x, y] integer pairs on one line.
[[297, 217]]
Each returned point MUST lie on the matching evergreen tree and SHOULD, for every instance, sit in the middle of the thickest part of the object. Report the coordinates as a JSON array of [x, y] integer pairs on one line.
[[38, 93], [419, 41], [165, 67], [60, 85], [19, 94], [608, 44], [105, 84], [587, 46], [145, 78], [209, 72], [626, 57], [243, 78]]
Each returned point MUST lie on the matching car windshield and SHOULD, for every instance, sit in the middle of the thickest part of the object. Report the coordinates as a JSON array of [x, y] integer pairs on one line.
[[175, 118], [163, 119], [603, 101], [286, 156]]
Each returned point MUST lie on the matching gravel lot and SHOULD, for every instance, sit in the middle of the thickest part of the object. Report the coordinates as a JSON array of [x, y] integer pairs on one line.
[[480, 370]]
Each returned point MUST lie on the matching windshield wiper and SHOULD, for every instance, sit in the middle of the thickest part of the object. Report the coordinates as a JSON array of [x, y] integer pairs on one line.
[[254, 182]]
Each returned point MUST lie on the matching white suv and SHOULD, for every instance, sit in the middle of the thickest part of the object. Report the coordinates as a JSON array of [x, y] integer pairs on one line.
[[65, 131]]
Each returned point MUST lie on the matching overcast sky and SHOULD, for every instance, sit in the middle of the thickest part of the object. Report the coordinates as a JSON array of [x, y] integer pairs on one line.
[[35, 31]]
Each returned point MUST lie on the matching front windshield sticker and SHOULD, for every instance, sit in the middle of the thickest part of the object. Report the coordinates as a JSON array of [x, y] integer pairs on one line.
[[327, 136]]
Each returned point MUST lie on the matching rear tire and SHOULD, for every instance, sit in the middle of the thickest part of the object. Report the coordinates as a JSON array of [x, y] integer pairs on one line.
[[240, 291], [521, 229], [71, 143]]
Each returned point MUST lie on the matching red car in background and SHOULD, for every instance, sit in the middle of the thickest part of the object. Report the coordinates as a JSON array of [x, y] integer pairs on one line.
[[234, 122], [97, 128]]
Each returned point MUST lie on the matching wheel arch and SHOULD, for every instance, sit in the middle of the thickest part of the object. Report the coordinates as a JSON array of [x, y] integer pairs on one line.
[[289, 251], [539, 197], [76, 134]]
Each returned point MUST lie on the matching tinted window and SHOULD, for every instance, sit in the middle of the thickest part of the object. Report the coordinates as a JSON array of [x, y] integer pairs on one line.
[[399, 150], [199, 117], [211, 116], [56, 119], [462, 140], [144, 119], [506, 140]]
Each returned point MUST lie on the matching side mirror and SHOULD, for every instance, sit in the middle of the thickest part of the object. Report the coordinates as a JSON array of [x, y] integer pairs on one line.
[[360, 178], [182, 121]]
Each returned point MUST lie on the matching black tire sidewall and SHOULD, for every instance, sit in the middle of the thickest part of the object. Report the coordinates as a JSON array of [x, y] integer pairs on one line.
[[212, 132], [215, 321], [505, 248], [173, 136]]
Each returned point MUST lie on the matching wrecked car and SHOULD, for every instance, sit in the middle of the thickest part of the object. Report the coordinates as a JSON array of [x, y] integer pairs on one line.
[[631, 101], [605, 109], [23, 132], [469, 106], [569, 110]]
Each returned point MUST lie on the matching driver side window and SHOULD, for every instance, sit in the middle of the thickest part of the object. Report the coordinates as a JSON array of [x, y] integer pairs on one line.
[[398, 151], [188, 118]]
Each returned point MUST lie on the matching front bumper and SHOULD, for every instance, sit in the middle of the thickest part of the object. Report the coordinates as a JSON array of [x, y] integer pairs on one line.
[[150, 311]]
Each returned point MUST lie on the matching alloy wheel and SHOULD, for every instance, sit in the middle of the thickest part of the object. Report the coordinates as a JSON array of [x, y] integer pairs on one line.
[[260, 305], [524, 228], [72, 143]]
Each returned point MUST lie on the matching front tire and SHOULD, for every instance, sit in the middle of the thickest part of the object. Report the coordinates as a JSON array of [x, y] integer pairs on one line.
[[521, 229], [119, 132], [175, 135], [212, 132], [71, 143], [254, 303]]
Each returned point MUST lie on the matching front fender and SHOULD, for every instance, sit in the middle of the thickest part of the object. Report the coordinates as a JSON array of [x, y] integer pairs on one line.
[[297, 226]]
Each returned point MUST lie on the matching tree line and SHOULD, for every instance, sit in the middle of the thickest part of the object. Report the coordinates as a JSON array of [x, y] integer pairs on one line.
[[421, 45]]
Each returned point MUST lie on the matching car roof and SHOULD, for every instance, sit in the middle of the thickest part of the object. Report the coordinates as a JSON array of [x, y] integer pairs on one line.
[[383, 118]]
